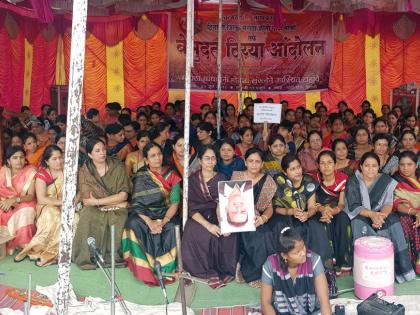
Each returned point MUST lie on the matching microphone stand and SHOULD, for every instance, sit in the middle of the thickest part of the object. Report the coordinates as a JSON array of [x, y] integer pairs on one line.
[[112, 269], [27, 304], [110, 276]]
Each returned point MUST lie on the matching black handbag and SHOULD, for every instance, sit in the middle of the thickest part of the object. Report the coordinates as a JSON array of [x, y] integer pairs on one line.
[[374, 305]]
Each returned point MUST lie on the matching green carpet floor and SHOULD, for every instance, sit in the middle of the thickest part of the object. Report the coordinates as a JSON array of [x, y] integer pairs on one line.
[[92, 283]]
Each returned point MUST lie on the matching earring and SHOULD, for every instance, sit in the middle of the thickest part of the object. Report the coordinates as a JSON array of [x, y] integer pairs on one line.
[[285, 260]]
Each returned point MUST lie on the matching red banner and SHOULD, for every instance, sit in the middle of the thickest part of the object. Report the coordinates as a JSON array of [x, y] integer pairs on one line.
[[295, 57]]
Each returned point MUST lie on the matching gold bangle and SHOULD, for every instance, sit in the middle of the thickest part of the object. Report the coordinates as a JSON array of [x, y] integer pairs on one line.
[[264, 217]]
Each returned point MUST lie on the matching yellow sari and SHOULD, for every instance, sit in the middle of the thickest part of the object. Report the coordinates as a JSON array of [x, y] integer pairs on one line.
[[45, 244]]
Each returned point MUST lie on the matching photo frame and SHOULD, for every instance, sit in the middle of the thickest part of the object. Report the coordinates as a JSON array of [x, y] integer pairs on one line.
[[236, 206]]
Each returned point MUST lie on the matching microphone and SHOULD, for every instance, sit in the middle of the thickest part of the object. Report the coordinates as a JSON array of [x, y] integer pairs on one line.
[[94, 250], [160, 278], [297, 198], [295, 194]]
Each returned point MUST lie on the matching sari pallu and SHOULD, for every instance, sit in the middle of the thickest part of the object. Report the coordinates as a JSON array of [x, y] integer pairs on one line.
[[272, 166], [96, 222], [374, 198], [339, 230], [45, 243], [408, 192], [255, 247], [237, 164], [20, 220], [120, 150], [312, 231], [205, 255], [153, 193]]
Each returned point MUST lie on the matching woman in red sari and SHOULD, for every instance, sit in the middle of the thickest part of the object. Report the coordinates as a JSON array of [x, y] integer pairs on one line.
[[17, 195], [407, 203]]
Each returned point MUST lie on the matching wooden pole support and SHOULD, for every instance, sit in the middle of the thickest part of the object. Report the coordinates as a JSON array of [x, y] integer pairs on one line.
[[77, 63]]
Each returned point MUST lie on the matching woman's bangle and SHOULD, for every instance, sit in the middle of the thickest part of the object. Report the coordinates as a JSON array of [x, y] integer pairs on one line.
[[167, 218], [264, 217]]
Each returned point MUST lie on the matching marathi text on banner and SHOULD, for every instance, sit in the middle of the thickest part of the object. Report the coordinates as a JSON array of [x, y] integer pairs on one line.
[[296, 57]]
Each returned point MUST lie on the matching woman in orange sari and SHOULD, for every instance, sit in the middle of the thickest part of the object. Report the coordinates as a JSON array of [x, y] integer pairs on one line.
[[32, 150], [176, 158], [17, 195]]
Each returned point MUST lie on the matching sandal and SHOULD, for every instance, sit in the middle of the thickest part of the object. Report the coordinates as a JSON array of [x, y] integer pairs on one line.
[[18, 259]]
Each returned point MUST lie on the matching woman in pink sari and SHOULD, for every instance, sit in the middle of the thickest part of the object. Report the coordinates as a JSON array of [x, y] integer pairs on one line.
[[17, 199]]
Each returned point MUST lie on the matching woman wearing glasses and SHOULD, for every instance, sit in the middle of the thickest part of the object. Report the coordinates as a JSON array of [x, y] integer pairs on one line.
[[206, 252]]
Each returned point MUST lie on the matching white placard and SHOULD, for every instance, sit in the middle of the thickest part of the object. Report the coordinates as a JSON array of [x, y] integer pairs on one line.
[[267, 112], [236, 206]]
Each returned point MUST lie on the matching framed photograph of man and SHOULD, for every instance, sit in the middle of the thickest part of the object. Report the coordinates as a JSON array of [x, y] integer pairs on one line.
[[236, 206]]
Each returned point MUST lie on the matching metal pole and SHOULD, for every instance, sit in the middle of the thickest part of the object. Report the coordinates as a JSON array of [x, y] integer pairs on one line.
[[219, 69], [239, 57], [77, 62], [181, 269], [188, 61], [27, 304], [112, 269]]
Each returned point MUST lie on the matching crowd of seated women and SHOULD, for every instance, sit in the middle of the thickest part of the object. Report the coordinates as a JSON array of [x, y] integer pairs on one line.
[[319, 182]]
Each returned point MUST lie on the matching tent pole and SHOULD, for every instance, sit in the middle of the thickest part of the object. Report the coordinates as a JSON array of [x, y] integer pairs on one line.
[[219, 69], [77, 58], [188, 66], [239, 57]]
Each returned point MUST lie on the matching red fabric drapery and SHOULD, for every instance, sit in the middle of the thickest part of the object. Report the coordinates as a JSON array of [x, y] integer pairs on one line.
[[11, 70], [145, 69], [43, 71]]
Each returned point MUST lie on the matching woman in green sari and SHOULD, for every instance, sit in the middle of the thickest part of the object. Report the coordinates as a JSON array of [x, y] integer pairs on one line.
[[149, 233], [104, 187]]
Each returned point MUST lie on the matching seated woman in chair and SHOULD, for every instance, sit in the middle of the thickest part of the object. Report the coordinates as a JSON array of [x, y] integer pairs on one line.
[[17, 199], [206, 252], [368, 203], [104, 187], [293, 280], [149, 233]]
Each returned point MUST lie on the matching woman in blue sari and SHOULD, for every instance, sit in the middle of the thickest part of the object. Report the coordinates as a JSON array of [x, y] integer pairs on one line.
[[368, 203], [228, 161]]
